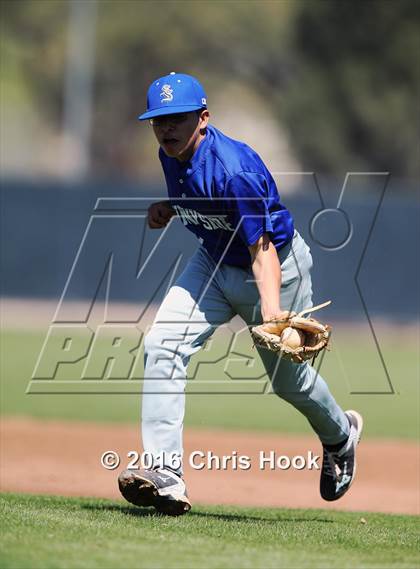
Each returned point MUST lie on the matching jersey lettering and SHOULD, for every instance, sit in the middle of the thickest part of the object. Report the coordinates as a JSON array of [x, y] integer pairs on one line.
[[210, 222]]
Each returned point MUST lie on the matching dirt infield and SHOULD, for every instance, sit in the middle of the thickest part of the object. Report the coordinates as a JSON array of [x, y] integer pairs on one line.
[[63, 458]]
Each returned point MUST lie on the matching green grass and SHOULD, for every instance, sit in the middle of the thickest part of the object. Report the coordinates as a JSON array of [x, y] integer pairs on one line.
[[352, 365], [55, 532]]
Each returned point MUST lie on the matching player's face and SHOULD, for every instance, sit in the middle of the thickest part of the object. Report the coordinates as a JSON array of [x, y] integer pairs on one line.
[[180, 134]]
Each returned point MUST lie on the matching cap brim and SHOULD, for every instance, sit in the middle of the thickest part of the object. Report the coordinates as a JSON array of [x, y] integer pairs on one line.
[[170, 111]]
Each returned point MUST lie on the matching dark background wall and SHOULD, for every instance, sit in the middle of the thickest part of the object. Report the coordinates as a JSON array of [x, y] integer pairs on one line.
[[43, 225]]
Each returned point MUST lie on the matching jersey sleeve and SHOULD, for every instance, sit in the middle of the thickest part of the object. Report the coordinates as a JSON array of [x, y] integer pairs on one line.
[[247, 199]]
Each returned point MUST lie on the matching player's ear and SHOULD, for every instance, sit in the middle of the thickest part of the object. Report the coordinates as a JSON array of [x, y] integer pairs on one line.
[[204, 118]]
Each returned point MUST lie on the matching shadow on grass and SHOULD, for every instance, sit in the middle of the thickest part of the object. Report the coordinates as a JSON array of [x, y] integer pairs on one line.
[[150, 512]]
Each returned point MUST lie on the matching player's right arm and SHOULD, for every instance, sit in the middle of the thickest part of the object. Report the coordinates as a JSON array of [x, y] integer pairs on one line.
[[267, 273], [159, 214]]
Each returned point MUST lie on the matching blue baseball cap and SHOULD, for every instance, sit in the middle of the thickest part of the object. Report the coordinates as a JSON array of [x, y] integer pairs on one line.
[[174, 93]]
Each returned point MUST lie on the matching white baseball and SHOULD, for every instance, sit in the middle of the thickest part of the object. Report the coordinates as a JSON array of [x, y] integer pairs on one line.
[[292, 338]]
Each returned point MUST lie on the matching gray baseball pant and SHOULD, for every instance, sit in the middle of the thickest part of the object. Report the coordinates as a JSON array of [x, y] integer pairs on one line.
[[204, 297]]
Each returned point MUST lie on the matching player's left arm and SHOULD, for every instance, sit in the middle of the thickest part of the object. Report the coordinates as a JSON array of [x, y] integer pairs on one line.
[[267, 272]]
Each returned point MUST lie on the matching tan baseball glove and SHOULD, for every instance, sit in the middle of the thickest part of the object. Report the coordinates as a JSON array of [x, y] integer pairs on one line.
[[295, 338]]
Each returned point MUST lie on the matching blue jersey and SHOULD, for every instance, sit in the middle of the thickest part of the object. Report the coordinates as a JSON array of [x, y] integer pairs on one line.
[[226, 196]]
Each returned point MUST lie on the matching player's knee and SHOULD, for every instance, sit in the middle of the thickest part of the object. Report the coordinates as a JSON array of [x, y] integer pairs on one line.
[[153, 340], [291, 380], [160, 339]]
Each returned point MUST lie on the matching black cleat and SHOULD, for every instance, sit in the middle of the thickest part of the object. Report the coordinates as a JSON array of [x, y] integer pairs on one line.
[[160, 488], [339, 468]]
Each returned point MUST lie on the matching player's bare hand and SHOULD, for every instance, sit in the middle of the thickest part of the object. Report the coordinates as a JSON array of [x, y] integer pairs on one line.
[[159, 214]]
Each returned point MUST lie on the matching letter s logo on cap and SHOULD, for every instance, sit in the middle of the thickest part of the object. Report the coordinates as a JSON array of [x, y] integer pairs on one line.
[[166, 94]]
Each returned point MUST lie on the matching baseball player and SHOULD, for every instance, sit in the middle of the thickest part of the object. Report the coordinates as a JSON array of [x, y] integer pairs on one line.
[[250, 261]]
